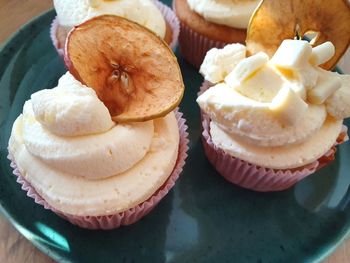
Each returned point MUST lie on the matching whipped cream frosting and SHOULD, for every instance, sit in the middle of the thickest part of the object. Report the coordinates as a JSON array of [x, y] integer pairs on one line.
[[74, 12], [283, 112], [232, 13], [68, 148], [66, 109]]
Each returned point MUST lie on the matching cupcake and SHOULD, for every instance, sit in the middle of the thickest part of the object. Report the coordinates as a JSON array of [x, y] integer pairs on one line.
[[154, 15], [103, 161], [268, 123], [206, 24]]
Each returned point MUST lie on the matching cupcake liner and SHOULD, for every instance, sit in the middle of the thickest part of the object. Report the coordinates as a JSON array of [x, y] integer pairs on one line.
[[194, 46], [172, 20], [168, 14], [254, 177], [129, 216]]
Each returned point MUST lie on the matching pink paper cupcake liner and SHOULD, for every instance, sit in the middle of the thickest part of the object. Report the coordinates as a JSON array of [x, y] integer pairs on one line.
[[168, 14], [194, 46], [254, 177], [172, 20], [129, 216]]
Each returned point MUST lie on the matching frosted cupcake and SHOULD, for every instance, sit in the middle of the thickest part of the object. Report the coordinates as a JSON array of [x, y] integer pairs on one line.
[[268, 123], [107, 144], [152, 14], [72, 158], [211, 23]]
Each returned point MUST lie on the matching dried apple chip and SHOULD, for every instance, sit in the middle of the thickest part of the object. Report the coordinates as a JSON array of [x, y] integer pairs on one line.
[[276, 20], [132, 70]]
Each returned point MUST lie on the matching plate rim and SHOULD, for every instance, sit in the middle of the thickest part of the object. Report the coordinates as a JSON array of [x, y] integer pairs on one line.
[[316, 258]]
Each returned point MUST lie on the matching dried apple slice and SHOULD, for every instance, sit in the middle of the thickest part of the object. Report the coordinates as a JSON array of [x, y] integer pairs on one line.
[[132, 70], [276, 20]]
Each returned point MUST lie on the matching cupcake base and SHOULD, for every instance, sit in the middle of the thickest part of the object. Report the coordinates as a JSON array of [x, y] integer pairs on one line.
[[129, 216], [197, 35], [58, 34]]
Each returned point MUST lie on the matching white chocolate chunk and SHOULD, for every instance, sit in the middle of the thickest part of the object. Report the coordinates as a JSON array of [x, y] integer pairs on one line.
[[218, 63], [326, 85], [262, 86], [246, 67], [292, 54], [338, 104], [299, 89], [288, 106], [322, 53], [307, 76]]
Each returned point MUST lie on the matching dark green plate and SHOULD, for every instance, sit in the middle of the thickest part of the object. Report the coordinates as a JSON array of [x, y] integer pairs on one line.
[[203, 219]]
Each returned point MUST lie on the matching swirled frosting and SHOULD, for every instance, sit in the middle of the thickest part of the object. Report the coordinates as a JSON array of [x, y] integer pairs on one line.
[[68, 148], [278, 113], [232, 13], [74, 12]]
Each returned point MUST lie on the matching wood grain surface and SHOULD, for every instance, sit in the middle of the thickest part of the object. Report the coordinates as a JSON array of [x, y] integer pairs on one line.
[[14, 248]]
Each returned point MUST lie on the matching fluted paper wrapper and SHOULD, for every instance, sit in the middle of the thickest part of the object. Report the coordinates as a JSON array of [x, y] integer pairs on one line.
[[194, 46], [168, 14], [254, 177], [129, 216], [172, 20]]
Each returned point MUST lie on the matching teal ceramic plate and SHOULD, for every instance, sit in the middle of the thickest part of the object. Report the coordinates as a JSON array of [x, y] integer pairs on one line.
[[203, 219]]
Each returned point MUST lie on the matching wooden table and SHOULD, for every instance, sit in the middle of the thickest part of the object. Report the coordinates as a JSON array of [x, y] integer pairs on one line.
[[14, 248]]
